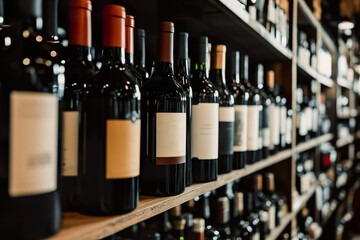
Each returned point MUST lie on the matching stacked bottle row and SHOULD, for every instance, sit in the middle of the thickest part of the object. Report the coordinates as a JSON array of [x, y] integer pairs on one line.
[[273, 15], [67, 111], [230, 212]]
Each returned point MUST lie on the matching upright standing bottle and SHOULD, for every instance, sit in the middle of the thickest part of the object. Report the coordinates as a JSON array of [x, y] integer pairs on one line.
[[182, 75], [265, 117], [79, 74], [140, 54], [163, 124], [274, 113], [252, 115], [199, 229], [241, 97], [129, 47], [226, 113], [205, 121], [30, 204], [110, 178]]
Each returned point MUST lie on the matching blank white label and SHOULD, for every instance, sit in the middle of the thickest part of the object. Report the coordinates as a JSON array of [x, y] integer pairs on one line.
[[170, 134], [283, 120], [70, 143], [240, 133], [266, 137], [227, 114], [271, 124], [33, 143], [288, 130], [309, 119], [276, 133], [205, 131], [253, 128]]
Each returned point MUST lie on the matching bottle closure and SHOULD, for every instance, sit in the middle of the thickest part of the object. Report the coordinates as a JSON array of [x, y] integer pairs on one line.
[[114, 26], [220, 53], [240, 203], [130, 24], [80, 23], [166, 42], [258, 182], [270, 182], [199, 225], [270, 79]]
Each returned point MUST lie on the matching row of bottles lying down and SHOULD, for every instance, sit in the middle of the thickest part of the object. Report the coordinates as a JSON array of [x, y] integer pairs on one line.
[[247, 209], [51, 109]]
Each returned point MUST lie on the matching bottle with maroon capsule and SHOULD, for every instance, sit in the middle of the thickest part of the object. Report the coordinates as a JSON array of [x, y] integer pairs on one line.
[[163, 124], [110, 178], [129, 47]]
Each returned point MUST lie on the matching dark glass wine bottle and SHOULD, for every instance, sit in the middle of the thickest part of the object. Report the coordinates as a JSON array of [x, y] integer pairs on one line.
[[110, 178], [283, 118], [163, 124], [271, 17], [129, 47], [241, 97], [274, 113], [140, 54], [178, 224], [79, 74], [266, 101], [263, 206], [277, 200], [226, 112], [29, 199], [182, 76], [253, 114], [199, 229], [205, 119]]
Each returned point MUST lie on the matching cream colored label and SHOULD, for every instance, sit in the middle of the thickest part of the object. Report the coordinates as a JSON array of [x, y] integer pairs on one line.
[[122, 149], [70, 143], [33, 143], [170, 134], [226, 114], [276, 131], [240, 133], [205, 131], [272, 217]]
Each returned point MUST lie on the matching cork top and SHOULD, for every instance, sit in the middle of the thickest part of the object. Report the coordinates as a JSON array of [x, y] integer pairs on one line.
[[199, 225], [176, 211], [258, 181], [270, 182], [220, 54], [270, 78]]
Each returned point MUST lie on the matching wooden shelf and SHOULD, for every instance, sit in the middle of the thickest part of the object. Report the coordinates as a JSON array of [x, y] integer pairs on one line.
[[258, 40], [313, 142], [78, 226], [344, 83], [302, 200], [344, 141], [307, 71], [326, 81], [279, 229]]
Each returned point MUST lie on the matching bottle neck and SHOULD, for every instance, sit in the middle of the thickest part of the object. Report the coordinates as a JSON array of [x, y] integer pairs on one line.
[[81, 53], [140, 51], [1, 12], [220, 77], [113, 56], [164, 67], [51, 19], [129, 58], [182, 67]]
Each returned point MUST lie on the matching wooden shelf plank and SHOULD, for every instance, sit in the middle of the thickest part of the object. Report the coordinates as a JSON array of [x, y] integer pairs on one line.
[[279, 229], [313, 142], [344, 141], [254, 31], [78, 226], [344, 83], [328, 82], [307, 71]]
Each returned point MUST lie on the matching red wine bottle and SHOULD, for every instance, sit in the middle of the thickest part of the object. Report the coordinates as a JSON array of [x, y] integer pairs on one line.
[[140, 54], [205, 120], [226, 112], [30, 204], [129, 47], [184, 80], [79, 74], [110, 178], [163, 124], [241, 97]]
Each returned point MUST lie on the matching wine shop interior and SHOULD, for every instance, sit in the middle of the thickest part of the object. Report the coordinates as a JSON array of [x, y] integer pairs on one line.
[[180, 119]]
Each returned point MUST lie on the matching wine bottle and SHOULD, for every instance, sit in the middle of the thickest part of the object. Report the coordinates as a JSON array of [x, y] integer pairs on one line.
[[189, 226], [252, 215], [289, 127], [263, 206], [182, 75], [265, 116], [163, 124], [274, 113], [79, 74], [271, 17], [315, 113], [140, 54], [5, 31], [110, 178], [241, 97], [283, 118], [178, 224], [30, 205], [253, 113], [199, 229], [276, 212], [226, 112], [223, 217], [129, 47], [205, 121]]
